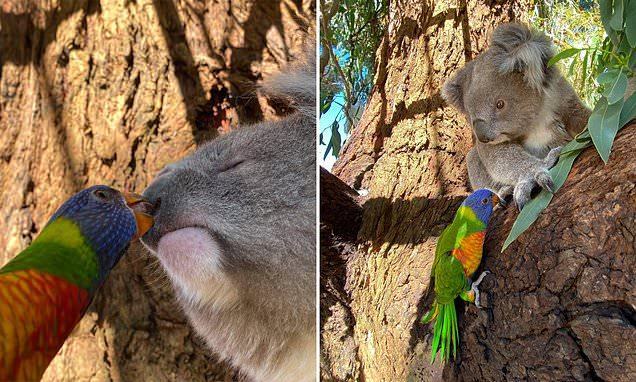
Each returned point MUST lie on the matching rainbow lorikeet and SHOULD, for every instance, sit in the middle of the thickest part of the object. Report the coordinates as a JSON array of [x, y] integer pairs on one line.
[[46, 289], [457, 257]]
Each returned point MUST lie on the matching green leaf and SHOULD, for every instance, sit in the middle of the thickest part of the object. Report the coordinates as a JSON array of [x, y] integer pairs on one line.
[[577, 145], [605, 7], [563, 55], [583, 136], [326, 102], [336, 139], [607, 76], [325, 107], [571, 69], [533, 209], [616, 22], [630, 23], [584, 68], [603, 125], [327, 150], [629, 109], [560, 172], [320, 137], [615, 85], [623, 48]]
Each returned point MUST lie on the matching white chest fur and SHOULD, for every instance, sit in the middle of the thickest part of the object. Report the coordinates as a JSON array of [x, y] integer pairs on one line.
[[545, 134]]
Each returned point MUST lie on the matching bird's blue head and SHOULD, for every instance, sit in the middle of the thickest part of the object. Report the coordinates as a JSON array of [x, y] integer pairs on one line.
[[107, 219], [482, 202]]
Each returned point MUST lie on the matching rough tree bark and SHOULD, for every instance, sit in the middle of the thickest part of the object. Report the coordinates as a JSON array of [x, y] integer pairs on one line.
[[109, 92], [552, 293]]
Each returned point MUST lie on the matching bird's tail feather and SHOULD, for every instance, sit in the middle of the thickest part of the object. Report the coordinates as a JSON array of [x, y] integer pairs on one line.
[[445, 333]]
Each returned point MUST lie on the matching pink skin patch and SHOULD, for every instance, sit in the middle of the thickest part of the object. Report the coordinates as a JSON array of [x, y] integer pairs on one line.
[[187, 251], [192, 259]]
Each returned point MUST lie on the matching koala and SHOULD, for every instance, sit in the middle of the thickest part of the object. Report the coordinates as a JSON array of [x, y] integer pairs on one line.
[[235, 231], [521, 112]]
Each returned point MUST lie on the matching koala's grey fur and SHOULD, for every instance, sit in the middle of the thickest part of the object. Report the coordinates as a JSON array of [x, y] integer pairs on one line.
[[235, 230], [516, 145]]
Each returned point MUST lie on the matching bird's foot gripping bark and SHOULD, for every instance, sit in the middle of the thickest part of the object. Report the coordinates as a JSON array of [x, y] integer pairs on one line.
[[472, 295]]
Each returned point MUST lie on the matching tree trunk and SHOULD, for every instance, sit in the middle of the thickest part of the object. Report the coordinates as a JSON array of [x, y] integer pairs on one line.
[[549, 294], [109, 92]]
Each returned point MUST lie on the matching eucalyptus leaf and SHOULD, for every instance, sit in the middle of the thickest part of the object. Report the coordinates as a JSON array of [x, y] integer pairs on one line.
[[325, 107], [623, 47], [605, 7], [583, 136], [616, 22], [607, 76], [336, 139], [584, 68], [563, 55], [576, 145], [603, 125], [327, 150], [615, 90], [560, 172], [571, 68], [629, 109]]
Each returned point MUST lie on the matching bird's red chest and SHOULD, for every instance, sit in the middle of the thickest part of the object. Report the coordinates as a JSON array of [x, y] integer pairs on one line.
[[469, 252], [37, 312]]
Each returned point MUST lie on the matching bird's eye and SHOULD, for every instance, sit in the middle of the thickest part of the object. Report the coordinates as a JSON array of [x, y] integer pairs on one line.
[[101, 195], [500, 104], [484, 201]]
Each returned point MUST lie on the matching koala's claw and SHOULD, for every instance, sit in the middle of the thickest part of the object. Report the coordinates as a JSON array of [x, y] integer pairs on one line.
[[522, 193], [504, 194], [544, 180], [553, 157]]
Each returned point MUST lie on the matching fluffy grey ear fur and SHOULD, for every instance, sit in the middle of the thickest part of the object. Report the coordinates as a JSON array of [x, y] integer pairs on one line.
[[515, 47], [296, 84], [453, 89]]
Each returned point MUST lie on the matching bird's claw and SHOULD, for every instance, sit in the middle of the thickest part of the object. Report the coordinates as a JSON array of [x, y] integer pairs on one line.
[[474, 286]]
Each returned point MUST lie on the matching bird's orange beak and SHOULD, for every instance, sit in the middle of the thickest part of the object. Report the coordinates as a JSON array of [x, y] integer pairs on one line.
[[140, 208], [495, 200]]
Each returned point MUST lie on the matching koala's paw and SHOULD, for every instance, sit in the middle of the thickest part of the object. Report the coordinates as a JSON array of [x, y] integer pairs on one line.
[[544, 180], [505, 194], [523, 193], [553, 157]]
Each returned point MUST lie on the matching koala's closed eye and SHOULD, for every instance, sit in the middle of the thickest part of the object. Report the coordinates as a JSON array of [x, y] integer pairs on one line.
[[231, 164]]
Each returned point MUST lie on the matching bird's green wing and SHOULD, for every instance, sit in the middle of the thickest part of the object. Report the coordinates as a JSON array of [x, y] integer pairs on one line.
[[450, 280], [446, 242]]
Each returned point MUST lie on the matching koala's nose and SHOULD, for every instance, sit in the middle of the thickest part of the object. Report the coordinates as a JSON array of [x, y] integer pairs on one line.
[[155, 190], [479, 124], [481, 131]]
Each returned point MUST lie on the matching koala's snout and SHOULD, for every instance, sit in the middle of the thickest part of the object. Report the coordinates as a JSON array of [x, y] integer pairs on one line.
[[482, 131], [154, 191]]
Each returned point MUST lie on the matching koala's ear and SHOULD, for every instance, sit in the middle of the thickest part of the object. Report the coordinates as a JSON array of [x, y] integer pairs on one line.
[[454, 88], [516, 48]]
